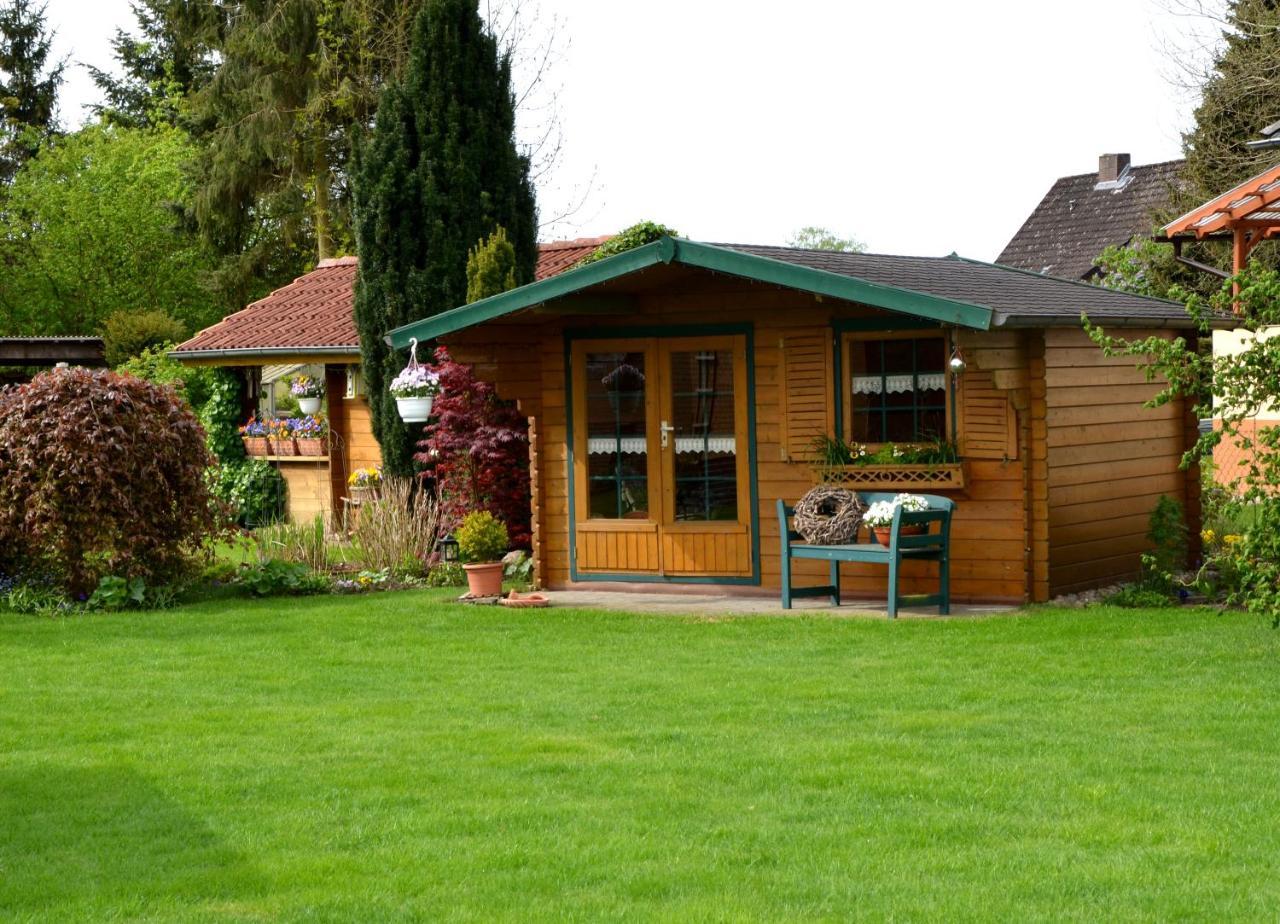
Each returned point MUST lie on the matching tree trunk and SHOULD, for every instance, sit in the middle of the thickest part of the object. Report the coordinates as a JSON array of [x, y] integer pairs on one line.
[[324, 230]]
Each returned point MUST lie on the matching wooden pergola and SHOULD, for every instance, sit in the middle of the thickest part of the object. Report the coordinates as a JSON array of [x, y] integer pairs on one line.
[[1246, 215], [19, 353]]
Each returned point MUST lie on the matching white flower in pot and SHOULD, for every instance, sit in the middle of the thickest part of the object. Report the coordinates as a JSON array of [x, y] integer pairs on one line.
[[415, 389], [879, 516]]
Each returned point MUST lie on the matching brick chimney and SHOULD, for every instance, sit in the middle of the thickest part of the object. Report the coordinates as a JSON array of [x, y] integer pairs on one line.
[[1110, 166]]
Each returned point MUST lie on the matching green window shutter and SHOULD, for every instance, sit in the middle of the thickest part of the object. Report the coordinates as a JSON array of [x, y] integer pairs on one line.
[[805, 392]]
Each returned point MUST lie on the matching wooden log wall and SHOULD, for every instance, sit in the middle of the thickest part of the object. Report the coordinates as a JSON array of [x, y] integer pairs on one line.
[[1110, 460], [990, 532]]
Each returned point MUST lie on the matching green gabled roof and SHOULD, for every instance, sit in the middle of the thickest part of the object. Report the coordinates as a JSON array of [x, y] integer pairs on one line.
[[705, 256]]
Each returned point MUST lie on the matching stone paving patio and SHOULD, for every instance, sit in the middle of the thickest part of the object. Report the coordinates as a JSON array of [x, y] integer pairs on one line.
[[713, 604]]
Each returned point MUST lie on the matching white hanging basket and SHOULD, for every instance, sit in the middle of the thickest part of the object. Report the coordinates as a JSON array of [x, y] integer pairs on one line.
[[415, 410], [309, 405]]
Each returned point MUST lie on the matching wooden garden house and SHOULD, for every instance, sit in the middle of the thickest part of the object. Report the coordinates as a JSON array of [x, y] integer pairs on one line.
[[675, 392]]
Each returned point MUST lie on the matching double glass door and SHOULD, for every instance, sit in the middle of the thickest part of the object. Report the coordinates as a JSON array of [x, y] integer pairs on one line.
[[660, 457]]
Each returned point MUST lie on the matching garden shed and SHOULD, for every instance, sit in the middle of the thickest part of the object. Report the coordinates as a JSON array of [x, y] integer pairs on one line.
[[306, 327], [675, 392]]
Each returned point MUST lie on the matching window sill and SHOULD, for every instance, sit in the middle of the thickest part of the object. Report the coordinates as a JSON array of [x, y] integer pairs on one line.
[[945, 476]]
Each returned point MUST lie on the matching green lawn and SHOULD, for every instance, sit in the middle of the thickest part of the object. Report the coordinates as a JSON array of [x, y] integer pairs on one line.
[[394, 758]]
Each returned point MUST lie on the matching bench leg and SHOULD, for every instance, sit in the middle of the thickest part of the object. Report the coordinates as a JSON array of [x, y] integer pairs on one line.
[[944, 581], [893, 587], [786, 580], [835, 583]]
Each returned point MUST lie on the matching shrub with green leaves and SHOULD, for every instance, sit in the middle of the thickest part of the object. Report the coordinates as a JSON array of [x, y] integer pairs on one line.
[[482, 538], [125, 334], [275, 577], [154, 364], [639, 234], [253, 489]]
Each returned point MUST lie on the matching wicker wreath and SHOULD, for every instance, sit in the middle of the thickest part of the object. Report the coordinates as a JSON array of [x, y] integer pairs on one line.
[[828, 515]]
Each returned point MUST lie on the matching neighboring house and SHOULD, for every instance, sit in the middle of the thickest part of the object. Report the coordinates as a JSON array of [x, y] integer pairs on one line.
[[309, 326], [1083, 215], [675, 392]]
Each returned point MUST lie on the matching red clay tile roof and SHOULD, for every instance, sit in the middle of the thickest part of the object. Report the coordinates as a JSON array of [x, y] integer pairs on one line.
[[556, 257], [312, 313], [315, 312]]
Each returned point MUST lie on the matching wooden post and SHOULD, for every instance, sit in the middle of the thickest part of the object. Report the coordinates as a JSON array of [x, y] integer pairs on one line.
[[335, 386], [1037, 471]]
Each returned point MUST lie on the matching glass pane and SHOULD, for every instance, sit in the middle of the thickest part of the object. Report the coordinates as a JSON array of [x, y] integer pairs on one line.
[[897, 390], [705, 450], [617, 444]]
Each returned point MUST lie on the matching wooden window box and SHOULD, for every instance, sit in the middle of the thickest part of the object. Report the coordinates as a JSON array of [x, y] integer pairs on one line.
[[948, 476]]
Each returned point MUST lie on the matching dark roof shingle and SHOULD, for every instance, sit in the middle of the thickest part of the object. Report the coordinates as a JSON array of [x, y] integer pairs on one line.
[[1076, 221], [1018, 297]]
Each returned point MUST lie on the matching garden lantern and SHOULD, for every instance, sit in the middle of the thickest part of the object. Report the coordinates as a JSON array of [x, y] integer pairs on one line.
[[448, 548]]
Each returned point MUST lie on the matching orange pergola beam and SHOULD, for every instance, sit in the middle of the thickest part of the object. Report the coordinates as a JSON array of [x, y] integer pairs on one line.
[[1220, 208]]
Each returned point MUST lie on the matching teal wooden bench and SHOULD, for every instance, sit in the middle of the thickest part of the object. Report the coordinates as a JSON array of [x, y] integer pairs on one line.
[[935, 545]]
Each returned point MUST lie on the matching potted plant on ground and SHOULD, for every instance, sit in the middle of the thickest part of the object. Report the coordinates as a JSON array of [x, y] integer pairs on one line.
[[311, 434], [255, 434], [879, 516], [308, 390], [363, 484], [482, 541]]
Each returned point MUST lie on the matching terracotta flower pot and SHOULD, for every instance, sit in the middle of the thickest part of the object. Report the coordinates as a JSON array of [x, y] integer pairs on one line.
[[311, 447], [484, 580], [881, 533], [256, 445], [283, 447]]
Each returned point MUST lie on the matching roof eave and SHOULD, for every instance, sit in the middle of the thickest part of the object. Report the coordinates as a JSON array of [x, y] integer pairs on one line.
[[249, 353], [1007, 321], [704, 256]]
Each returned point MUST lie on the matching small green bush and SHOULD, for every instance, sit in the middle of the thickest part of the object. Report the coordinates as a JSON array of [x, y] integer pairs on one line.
[[447, 574], [126, 334], [155, 365], [482, 537], [254, 490], [276, 577], [639, 234], [1135, 596]]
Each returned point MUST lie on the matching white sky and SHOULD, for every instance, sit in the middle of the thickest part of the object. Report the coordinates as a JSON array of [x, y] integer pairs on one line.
[[920, 128]]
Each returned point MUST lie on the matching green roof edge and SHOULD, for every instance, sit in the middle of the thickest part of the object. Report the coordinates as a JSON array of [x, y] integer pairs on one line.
[[705, 256]]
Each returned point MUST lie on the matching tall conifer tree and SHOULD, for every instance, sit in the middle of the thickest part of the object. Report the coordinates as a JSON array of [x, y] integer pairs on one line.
[[29, 84], [1240, 97], [440, 172]]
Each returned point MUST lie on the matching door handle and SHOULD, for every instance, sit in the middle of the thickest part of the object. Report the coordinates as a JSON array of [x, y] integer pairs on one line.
[[664, 428]]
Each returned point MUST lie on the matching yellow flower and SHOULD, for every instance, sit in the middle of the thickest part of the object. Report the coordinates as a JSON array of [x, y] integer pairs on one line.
[[1208, 536], [1232, 539]]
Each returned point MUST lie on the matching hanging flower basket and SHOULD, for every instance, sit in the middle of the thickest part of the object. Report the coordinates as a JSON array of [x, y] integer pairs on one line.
[[308, 390], [415, 389]]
